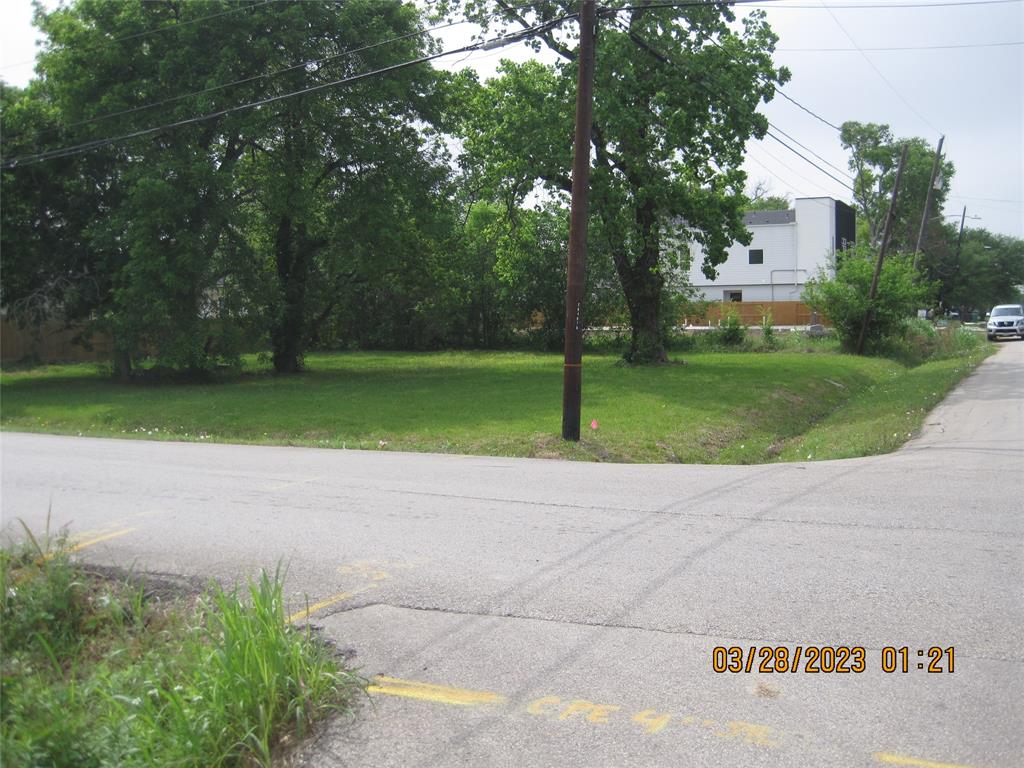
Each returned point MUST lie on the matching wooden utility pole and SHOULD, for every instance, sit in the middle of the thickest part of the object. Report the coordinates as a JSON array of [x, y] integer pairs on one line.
[[928, 199], [576, 267], [960, 237], [886, 236]]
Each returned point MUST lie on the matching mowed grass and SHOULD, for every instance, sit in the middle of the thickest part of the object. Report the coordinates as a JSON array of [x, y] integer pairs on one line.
[[707, 407]]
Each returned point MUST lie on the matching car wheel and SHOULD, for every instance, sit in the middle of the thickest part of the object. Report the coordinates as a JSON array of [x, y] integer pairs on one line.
[[991, 337]]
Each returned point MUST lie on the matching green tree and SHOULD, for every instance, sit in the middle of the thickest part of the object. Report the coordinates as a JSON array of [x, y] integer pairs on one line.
[[256, 217], [55, 264], [843, 299], [874, 158], [677, 92], [769, 203], [339, 175], [103, 63], [988, 270]]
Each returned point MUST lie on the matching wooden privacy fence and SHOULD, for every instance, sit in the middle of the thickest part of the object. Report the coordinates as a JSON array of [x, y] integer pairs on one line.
[[50, 343], [752, 312]]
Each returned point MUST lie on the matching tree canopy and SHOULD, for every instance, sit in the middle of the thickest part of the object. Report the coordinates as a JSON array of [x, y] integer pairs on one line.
[[676, 97]]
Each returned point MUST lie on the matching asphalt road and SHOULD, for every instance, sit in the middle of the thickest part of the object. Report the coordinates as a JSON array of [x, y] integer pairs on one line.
[[543, 613]]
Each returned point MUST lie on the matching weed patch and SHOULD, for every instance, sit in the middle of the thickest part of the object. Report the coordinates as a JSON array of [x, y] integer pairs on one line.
[[100, 671]]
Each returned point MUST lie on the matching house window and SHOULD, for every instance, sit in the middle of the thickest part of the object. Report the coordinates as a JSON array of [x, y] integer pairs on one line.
[[734, 295], [756, 256]]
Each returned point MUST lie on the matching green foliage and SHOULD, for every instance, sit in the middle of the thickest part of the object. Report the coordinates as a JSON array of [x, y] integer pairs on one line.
[[919, 341], [41, 597], [731, 332], [768, 337], [844, 298], [769, 203], [95, 675], [255, 223], [874, 158], [987, 269], [671, 121]]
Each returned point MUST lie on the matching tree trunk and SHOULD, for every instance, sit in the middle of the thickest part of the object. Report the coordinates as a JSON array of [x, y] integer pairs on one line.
[[288, 332], [643, 296], [642, 284], [122, 364]]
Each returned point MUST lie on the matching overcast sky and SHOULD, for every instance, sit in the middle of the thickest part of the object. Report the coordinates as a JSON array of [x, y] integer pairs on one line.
[[972, 95]]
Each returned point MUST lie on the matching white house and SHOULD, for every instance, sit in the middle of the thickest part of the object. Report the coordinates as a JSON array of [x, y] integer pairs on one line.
[[787, 248]]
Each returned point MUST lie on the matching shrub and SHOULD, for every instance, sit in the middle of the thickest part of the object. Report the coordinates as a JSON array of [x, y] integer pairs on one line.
[[844, 298], [732, 332]]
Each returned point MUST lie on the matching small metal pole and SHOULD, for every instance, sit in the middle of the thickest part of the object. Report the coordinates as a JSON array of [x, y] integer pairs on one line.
[[576, 266]]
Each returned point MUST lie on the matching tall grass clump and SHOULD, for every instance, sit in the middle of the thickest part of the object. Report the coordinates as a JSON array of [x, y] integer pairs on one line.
[[248, 683], [919, 341], [95, 673]]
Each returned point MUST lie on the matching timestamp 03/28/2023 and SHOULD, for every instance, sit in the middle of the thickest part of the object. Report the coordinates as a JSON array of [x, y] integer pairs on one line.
[[831, 659]]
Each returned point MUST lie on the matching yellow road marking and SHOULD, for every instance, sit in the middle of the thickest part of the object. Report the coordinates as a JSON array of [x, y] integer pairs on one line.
[[310, 610], [886, 757], [289, 485], [104, 529], [83, 544], [411, 689], [98, 539]]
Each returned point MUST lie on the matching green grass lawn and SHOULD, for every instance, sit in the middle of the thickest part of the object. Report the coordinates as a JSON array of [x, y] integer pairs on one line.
[[715, 407]]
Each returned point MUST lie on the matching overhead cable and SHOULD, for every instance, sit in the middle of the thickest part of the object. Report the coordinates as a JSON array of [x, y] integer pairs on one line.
[[98, 143]]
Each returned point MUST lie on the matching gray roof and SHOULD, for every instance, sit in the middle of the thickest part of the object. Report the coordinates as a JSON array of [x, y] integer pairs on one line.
[[769, 217]]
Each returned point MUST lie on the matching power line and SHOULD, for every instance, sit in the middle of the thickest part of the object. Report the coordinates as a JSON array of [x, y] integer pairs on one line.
[[988, 199], [869, 6], [242, 81], [776, 174], [804, 146], [843, 6], [809, 111], [98, 143], [901, 48], [807, 160], [878, 71], [177, 25], [665, 60], [293, 67]]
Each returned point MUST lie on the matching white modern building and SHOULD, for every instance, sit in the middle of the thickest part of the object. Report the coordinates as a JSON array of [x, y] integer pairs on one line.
[[787, 248]]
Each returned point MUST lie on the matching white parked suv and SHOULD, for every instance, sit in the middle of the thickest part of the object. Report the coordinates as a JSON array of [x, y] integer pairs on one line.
[[1004, 321]]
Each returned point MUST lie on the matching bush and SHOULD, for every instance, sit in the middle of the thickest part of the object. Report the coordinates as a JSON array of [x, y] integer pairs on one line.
[[919, 341], [844, 298], [732, 332]]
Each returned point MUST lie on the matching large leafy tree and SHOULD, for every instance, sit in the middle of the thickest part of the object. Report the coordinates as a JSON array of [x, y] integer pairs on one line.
[[874, 158], [986, 269], [55, 265], [246, 217], [346, 179], [112, 69], [676, 98]]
